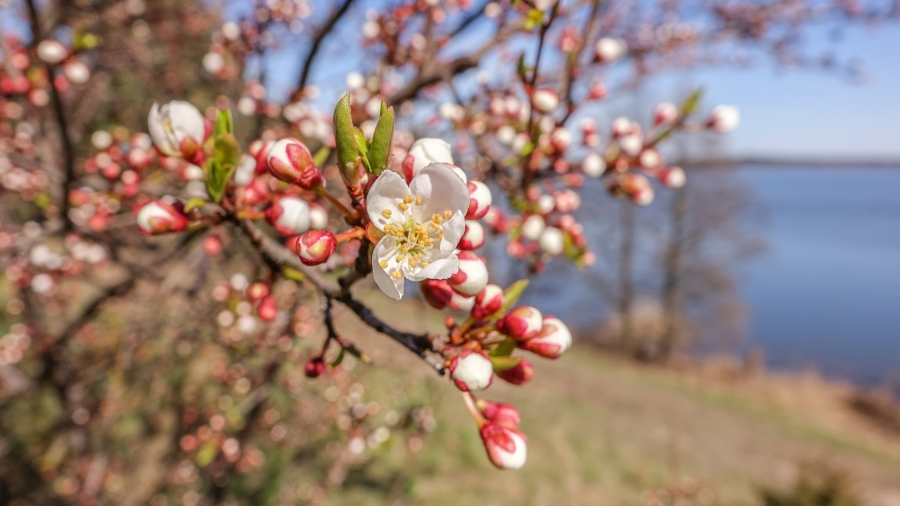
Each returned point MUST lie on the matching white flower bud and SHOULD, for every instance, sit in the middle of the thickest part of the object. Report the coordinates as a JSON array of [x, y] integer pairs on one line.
[[593, 165], [609, 49], [533, 227], [430, 150], [545, 101], [472, 370], [551, 241], [51, 51]]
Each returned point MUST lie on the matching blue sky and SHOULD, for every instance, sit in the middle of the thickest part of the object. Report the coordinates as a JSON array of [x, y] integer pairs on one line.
[[799, 112]]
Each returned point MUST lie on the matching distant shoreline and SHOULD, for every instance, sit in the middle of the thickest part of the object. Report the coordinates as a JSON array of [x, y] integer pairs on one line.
[[809, 163]]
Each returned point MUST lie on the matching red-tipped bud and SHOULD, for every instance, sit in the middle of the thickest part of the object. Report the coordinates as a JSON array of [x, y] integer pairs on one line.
[[289, 215], [51, 51], [472, 370], [256, 291], [521, 324], [545, 101], [723, 118], [212, 245], [472, 275], [473, 237], [290, 161], [552, 341], [436, 292], [256, 192], [673, 177], [259, 149], [479, 200], [268, 309], [500, 413], [315, 246], [314, 368], [518, 375], [488, 301], [158, 217], [665, 113], [507, 448]]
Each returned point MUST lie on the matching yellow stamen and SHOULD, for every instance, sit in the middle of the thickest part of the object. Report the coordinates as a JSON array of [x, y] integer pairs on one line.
[[383, 264], [403, 206], [386, 213], [418, 200], [448, 214], [397, 275], [424, 264]]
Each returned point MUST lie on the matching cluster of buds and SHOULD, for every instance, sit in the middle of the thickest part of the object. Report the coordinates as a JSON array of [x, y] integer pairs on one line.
[[30, 77]]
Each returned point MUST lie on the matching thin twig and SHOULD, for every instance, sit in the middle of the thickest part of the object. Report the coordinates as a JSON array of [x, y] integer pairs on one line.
[[316, 43]]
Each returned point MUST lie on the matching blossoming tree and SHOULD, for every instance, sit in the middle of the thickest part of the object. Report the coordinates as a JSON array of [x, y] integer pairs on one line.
[[435, 144]]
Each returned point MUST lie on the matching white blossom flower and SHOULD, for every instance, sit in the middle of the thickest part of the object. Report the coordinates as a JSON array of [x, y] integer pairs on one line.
[[177, 128], [430, 150], [422, 222]]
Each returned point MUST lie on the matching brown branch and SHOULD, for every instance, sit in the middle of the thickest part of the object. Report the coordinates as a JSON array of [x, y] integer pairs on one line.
[[68, 151], [316, 43]]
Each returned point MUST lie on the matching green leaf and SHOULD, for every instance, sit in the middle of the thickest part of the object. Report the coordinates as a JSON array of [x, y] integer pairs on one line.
[[194, 203], [503, 349], [511, 295], [356, 352], [689, 105], [381, 141], [344, 138], [339, 359], [224, 123], [520, 67], [505, 363], [221, 167], [362, 147], [293, 274]]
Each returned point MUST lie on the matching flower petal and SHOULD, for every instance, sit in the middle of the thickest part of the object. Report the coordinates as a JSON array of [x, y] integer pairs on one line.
[[187, 121], [385, 250], [442, 268], [453, 229], [386, 192], [158, 133], [441, 190]]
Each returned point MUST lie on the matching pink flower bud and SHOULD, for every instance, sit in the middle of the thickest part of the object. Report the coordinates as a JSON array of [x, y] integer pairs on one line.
[[472, 275], [609, 49], [551, 241], [289, 215], [77, 72], [553, 339], [665, 113], [597, 91], [518, 375], [290, 161], [521, 324], [723, 118], [315, 246], [473, 237], [259, 149], [479, 200], [507, 448], [256, 291], [673, 177], [471, 370], [51, 51], [545, 101], [212, 245], [436, 292], [500, 413], [256, 192], [650, 159], [268, 309], [158, 217], [488, 301], [314, 368]]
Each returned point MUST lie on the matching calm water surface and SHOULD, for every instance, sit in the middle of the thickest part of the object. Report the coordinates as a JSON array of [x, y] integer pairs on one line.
[[827, 292]]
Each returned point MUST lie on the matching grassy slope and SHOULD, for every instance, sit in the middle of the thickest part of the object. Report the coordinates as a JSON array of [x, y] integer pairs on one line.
[[606, 432]]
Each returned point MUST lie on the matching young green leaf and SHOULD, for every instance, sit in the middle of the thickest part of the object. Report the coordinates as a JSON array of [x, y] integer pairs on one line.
[[344, 138], [504, 349], [362, 147], [224, 123], [381, 142], [504, 363], [511, 295]]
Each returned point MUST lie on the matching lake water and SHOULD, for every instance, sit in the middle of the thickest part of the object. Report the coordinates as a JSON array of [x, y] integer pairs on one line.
[[827, 291], [824, 294]]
